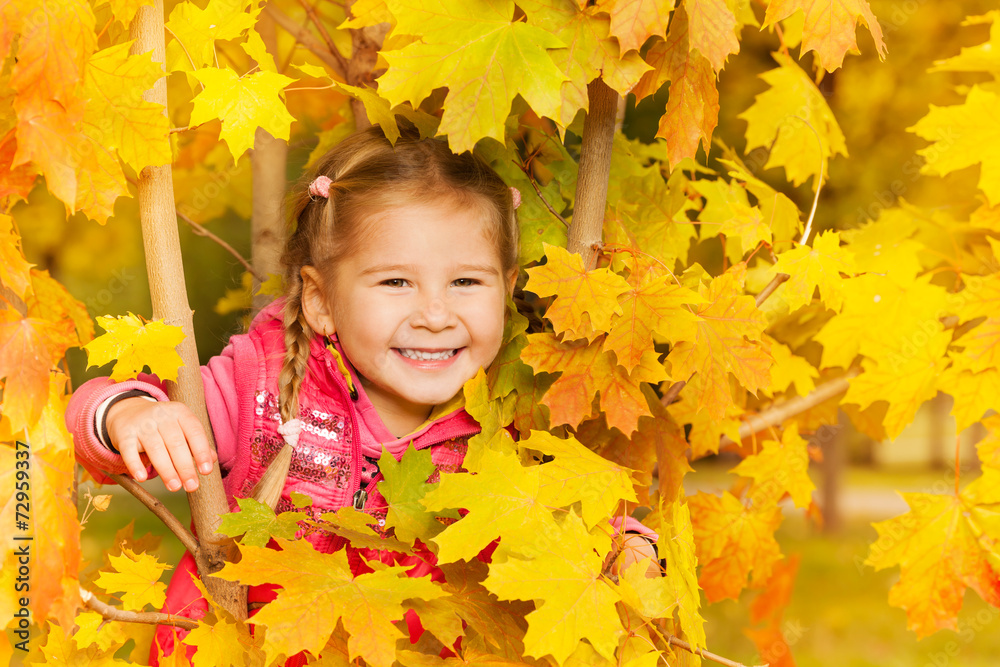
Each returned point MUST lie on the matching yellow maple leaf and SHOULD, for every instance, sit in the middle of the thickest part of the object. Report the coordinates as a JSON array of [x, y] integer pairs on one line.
[[983, 57], [503, 501], [576, 474], [317, 590], [585, 300], [733, 541], [964, 135], [779, 468], [818, 267], [789, 369], [635, 21], [905, 379], [137, 578], [117, 116], [14, 268], [943, 545], [242, 104], [989, 447], [586, 370], [974, 393], [712, 30], [777, 119], [727, 211], [197, 28], [880, 317], [982, 346], [61, 648], [829, 27], [132, 344], [589, 51], [564, 575], [95, 629]]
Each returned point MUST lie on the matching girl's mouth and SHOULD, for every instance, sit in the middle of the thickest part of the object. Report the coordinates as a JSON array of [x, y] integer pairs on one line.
[[426, 355]]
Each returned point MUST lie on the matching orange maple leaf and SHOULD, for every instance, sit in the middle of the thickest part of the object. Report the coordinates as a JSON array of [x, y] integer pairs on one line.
[[829, 28], [29, 348], [585, 300], [693, 105], [943, 545], [712, 28], [733, 541], [586, 370], [726, 339], [635, 21]]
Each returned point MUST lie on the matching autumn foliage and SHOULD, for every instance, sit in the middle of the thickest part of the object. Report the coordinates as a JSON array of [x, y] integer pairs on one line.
[[715, 302]]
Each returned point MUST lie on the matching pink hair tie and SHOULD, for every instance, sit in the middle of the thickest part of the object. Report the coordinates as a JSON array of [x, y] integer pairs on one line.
[[320, 187], [516, 196]]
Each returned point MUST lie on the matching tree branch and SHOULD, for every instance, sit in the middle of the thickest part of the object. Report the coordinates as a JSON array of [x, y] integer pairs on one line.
[[780, 412], [542, 197], [306, 39], [680, 643], [771, 286], [314, 17], [150, 617], [585, 232], [189, 541], [201, 230]]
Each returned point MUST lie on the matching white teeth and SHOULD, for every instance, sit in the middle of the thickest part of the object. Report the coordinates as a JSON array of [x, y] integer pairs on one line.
[[420, 355]]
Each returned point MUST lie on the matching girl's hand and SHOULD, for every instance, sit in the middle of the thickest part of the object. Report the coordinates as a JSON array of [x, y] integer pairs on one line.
[[634, 548], [165, 433]]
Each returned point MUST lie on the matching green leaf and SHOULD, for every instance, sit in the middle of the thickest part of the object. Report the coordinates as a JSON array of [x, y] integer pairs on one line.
[[258, 523], [404, 487], [473, 48]]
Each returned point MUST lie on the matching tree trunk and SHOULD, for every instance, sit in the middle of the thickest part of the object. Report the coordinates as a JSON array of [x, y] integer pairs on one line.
[[834, 446], [269, 160], [585, 232], [169, 297]]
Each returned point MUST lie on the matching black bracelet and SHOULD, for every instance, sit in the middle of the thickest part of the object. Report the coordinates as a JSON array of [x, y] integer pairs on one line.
[[131, 393]]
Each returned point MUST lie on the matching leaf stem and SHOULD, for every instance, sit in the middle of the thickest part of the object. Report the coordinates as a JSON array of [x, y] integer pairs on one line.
[[151, 617], [542, 197], [819, 183], [306, 39], [708, 655]]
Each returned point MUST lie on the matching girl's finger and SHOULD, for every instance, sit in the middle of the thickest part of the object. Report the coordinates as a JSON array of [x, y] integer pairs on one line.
[[203, 452], [180, 454], [154, 447], [129, 449]]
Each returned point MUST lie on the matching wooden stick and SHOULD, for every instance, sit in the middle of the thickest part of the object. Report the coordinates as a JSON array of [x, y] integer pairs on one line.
[[150, 617], [168, 295], [186, 537], [585, 232], [771, 286]]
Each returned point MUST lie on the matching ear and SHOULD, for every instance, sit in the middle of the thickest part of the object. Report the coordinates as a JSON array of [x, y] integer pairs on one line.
[[315, 304], [512, 280]]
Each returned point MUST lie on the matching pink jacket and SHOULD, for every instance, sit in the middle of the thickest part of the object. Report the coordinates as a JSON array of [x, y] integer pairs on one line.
[[342, 437]]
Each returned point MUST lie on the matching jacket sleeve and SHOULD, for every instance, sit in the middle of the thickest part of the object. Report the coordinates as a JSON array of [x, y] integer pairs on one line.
[[221, 399]]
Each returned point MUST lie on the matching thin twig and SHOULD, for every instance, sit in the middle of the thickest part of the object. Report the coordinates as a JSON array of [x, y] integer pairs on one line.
[[776, 414], [819, 184], [201, 230], [314, 17], [150, 617], [673, 392], [544, 200], [771, 286], [708, 655], [189, 541], [306, 39]]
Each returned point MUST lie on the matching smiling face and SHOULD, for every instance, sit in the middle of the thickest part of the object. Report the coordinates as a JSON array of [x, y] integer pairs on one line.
[[418, 305]]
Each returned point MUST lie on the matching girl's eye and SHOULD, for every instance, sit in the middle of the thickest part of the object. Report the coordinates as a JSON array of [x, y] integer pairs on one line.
[[466, 282], [394, 282]]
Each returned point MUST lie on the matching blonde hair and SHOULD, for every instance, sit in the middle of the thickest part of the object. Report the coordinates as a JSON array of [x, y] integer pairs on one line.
[[368, 174]]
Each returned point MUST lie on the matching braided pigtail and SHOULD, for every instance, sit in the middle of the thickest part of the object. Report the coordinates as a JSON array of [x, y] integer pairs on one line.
[[298, 336]]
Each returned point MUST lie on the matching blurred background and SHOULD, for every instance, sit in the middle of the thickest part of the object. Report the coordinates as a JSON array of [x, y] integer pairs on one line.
[[838, 613]]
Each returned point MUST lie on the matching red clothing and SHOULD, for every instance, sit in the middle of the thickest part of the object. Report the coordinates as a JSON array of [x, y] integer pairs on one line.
[[341, 438]]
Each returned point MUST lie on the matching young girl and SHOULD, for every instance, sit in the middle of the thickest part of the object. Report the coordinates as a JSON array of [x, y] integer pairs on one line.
[[397, 278]]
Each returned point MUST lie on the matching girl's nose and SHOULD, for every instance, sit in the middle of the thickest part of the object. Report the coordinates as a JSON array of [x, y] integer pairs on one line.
[[433, 313]]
